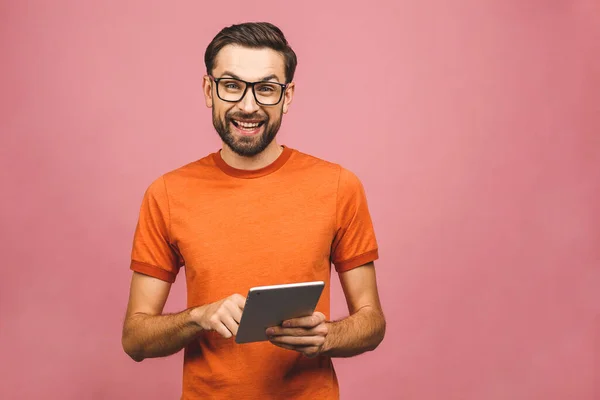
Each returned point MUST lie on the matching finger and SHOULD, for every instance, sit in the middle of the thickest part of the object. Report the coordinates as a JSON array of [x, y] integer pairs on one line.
[[239, 300], [308, 351], [284, 346], [237, 315], [279, 331], [305, 322], [231, 324], [222, 330], [298, 340], [235, 312]]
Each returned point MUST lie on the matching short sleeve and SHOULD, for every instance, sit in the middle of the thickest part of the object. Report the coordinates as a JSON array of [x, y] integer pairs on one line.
[[153, 252], [354, 243]]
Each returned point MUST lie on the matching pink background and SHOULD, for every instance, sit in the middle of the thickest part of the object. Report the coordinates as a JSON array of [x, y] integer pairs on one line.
[[474, 127]]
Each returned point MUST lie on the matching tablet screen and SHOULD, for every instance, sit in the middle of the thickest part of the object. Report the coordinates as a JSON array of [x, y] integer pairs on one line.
[[268, 306]]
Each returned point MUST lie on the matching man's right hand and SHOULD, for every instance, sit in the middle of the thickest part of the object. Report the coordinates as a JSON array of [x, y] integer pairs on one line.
[[222, 316]]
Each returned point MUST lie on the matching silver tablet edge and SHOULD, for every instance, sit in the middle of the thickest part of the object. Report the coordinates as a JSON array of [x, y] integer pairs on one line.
[[288, 285]]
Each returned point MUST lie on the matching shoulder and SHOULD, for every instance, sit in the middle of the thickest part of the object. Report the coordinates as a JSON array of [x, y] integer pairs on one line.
[[345, 178], [305, 160], [180, 177], [190, 169]]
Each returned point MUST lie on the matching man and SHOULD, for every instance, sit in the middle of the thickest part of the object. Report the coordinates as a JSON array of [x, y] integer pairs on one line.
[[252, 214]]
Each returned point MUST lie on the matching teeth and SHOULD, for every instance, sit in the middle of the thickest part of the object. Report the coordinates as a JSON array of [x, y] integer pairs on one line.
[[247, 124]]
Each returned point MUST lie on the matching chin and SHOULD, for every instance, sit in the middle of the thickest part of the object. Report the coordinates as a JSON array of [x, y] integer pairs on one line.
[[245, 147]]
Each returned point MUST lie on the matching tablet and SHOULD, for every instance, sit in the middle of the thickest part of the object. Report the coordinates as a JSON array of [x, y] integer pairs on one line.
[[268, 306]]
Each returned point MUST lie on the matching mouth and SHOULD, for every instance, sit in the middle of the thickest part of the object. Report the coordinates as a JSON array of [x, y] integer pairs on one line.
[[248, 127]]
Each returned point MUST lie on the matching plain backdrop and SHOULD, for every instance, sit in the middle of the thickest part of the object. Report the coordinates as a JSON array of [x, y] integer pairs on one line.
[[473, 125]]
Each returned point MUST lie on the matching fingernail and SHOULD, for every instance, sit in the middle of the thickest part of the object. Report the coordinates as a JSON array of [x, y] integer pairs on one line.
[[286, 324], [270, 331]]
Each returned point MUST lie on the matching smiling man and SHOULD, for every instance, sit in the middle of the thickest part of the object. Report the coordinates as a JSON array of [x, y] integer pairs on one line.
[[254, 213]]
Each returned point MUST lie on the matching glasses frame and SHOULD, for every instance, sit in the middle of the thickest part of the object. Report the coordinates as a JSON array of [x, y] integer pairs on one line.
[[249, 84]]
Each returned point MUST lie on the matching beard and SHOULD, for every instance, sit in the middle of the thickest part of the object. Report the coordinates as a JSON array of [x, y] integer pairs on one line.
[[246, 146]]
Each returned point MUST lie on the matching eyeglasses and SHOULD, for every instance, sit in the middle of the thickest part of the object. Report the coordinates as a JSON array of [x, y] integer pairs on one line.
[[234, 90]]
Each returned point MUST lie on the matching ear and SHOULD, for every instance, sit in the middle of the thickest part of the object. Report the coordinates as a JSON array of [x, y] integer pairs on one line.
[[288, 96], [207, 90]]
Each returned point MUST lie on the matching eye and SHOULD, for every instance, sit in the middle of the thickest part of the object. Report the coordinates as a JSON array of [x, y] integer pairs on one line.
[[266, 88]]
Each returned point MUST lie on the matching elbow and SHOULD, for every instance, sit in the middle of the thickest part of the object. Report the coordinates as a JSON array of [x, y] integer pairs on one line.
[[131, 349], [379, 333]]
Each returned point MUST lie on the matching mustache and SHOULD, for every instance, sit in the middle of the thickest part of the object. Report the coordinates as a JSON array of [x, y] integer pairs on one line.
[[242, 116]]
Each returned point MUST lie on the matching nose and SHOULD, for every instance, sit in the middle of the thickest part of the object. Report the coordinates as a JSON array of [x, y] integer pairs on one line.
[[248, 102]]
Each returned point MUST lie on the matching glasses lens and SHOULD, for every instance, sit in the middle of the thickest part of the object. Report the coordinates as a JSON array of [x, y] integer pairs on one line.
[[231, 89], [268, 93]]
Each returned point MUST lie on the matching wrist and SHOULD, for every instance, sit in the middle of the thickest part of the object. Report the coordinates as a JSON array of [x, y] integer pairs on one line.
[[329, 339], [195, 316]]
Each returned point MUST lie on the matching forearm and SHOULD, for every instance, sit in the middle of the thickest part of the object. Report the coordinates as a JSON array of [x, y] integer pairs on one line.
[[149, 336], [356, 334]]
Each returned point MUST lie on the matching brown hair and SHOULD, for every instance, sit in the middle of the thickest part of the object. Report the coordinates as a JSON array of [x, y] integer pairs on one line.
[[254, 35]]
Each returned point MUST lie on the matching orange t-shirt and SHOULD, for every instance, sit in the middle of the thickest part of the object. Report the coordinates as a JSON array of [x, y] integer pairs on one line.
[[233, 229]]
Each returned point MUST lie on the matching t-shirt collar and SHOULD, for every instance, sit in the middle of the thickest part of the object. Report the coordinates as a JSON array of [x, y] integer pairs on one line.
[[257, 173]]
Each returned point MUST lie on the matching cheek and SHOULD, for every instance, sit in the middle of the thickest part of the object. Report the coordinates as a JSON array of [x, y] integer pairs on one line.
[[221, 111], [273, 115]]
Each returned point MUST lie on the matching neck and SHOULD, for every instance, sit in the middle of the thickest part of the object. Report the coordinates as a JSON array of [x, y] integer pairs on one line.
[[261, 160]]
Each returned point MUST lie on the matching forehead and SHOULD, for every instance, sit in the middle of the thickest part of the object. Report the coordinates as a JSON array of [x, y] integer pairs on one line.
[[249, 64]]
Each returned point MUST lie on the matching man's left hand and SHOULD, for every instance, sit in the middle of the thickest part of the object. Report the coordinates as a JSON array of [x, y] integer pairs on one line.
[[305, 335]]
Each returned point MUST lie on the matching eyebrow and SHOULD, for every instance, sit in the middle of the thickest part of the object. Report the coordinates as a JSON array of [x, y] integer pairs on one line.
[[266, 78]]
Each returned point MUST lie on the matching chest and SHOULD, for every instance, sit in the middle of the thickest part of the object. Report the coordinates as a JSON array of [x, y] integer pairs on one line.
[[234, 238]]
